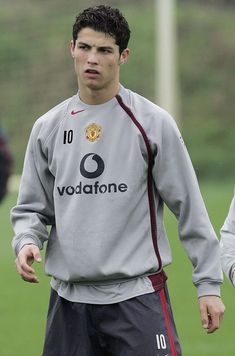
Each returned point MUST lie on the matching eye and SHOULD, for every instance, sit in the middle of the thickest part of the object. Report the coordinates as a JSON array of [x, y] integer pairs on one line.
[[105, 50], [83, 47]]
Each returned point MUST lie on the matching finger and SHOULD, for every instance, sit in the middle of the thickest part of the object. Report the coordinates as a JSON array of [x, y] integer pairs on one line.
[[23, 265], [214, 322], [204, 317], [32, 278], [221, 316], [215, 318], [28, 276], [36, 255]]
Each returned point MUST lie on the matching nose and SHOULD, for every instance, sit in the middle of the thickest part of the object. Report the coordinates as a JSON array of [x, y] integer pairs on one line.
[[92, 57]]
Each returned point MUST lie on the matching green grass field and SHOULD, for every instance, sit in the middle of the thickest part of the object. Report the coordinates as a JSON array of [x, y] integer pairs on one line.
[[23, 307]]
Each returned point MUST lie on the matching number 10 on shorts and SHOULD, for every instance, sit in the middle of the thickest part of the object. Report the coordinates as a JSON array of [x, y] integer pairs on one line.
[[161, 342]]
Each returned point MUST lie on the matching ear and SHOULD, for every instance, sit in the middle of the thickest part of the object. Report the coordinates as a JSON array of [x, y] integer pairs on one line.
[[72, 48], [124, 56]]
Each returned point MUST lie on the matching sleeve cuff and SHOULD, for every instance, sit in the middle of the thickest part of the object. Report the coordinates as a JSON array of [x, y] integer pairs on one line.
[[26, 240], [204, 289]]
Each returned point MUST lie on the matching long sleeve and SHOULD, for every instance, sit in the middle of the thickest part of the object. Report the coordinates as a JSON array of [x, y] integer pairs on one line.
[[227, 243], [177, 185], [34, 209]]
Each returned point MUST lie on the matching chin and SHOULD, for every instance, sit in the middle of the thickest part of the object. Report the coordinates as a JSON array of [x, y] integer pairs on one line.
[[94, 86]]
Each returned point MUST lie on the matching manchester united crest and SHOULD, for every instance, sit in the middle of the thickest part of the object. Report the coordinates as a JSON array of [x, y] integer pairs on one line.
[[93, 132]]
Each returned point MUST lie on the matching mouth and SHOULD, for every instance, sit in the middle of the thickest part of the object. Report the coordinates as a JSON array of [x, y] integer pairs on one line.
[[91, 72]]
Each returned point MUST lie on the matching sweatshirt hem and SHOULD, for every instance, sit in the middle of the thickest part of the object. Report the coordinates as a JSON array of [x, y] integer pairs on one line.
[[97, 301]]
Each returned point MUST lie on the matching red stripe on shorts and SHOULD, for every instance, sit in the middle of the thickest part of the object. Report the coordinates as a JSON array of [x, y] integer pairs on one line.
[[168, 323]]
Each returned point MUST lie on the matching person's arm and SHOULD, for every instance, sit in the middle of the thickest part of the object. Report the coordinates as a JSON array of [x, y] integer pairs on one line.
[[177, 185], [227, 244], [34, 209]]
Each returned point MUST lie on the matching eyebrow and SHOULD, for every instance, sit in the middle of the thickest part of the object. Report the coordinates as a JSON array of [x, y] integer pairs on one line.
[[99, 47]]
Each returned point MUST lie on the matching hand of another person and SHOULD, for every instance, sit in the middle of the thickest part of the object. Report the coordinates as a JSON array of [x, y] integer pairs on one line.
[[27, 255], [212, 311]]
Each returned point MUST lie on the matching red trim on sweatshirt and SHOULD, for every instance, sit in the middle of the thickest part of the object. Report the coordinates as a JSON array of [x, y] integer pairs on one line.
[[150, 179]]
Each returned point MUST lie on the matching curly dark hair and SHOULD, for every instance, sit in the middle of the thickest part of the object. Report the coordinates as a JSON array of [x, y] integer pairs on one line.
[[105, 19]]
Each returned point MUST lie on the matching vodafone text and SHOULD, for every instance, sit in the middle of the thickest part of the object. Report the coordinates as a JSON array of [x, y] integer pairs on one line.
[[95, 188]]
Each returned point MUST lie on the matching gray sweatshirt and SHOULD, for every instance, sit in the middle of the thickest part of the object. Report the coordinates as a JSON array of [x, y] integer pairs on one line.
[[227, 244], [99, 175]]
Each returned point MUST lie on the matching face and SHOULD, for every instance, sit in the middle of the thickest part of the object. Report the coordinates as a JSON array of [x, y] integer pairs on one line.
[[97, 61]]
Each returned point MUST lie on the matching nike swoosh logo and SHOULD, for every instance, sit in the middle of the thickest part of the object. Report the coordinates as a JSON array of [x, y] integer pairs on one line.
[[76, 112]]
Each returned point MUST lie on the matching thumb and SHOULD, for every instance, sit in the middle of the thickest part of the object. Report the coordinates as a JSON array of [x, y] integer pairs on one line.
[[204, 313], [36, 254], [204, 317], [205, 322]]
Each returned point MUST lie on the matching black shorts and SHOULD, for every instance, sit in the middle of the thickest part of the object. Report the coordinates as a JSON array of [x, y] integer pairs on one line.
[[141, 326]]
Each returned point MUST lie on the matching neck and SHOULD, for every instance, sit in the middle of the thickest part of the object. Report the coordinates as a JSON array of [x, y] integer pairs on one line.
[[95, 97]]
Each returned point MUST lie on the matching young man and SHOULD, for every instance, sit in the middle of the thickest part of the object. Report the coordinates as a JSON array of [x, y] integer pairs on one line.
[[98, 170], [227, 244]]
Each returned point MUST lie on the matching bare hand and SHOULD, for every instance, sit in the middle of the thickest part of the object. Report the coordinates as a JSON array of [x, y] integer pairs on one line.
[[212, 311], [27, 255]]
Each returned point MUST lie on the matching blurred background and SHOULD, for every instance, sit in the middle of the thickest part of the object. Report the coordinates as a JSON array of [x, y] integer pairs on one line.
[[36, 73]]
